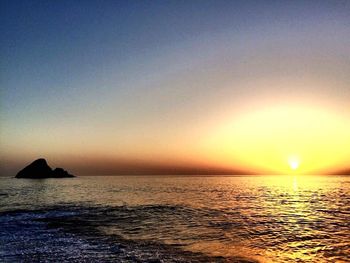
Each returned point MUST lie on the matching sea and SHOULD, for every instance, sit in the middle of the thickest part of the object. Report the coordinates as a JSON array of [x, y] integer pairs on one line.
[[175, 219]]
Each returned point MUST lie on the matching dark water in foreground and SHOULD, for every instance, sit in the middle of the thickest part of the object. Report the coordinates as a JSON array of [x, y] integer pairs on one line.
[[175, 219]]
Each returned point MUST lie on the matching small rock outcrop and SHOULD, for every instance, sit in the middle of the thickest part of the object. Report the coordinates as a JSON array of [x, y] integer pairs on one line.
[[39, 169]]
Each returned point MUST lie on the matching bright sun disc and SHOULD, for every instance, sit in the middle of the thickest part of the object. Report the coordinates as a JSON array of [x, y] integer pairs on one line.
[[294, 163]]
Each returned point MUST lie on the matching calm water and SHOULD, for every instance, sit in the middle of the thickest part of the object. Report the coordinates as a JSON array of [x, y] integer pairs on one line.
[[176, 219]]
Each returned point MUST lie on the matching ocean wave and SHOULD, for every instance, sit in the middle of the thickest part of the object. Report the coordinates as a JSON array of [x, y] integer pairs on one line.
[[88, 234]]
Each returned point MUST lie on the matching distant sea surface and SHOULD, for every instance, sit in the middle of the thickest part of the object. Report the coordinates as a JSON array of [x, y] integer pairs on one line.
[[175, 219]]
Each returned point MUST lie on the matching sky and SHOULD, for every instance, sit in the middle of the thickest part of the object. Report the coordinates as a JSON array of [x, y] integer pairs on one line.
[[104, 87]]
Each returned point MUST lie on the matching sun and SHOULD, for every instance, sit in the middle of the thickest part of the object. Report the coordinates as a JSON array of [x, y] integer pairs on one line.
[[294, 162]]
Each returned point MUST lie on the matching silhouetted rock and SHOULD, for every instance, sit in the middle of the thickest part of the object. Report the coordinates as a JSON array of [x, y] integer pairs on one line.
[[39, 169], [60, 172]]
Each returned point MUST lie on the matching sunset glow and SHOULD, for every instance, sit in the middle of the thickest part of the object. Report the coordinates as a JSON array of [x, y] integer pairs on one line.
[[266, 138], [175, 131], [244, 94]]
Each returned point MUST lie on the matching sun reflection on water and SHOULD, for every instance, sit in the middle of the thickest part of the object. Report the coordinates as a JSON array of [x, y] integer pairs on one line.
[[300, 217], [290, 218]]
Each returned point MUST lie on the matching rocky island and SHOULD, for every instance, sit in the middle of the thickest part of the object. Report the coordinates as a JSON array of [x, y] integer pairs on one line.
[[39, 169]]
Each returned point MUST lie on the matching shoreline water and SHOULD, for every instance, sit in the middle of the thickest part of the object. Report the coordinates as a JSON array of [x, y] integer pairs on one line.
[[176, 219]]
